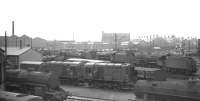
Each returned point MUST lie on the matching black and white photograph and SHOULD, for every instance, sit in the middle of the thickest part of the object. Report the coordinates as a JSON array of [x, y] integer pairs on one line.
[[99, 50]]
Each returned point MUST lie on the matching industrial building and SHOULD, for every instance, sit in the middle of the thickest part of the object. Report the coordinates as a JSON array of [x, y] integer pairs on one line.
[[15, 55], [115, 37]]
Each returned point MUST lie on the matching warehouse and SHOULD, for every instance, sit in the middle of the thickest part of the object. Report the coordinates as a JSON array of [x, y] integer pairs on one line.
[[15, 55]]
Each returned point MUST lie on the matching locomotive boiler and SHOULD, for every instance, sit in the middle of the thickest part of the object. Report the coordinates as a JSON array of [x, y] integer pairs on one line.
[[41, 84]]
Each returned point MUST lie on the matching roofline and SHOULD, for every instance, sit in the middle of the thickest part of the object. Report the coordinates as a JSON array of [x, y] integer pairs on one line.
[[21, 53], [1, 49]]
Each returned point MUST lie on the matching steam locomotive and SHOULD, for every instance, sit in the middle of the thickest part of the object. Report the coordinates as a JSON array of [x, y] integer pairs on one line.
[[36, 83]]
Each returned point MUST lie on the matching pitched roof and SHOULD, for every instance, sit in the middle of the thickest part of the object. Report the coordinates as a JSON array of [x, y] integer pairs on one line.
[[16, 50]]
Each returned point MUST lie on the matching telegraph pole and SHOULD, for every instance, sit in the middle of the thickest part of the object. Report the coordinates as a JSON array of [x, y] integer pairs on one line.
[[13, 28], [4, 64], [189, 44]]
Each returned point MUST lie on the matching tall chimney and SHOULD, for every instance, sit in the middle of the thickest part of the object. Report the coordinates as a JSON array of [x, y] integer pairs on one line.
[[13, 28], [198, 46]]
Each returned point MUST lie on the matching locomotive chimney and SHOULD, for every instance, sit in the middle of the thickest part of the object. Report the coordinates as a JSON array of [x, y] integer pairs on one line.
[[13, 28]]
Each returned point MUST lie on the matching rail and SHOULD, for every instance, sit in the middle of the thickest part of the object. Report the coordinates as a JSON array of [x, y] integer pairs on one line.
[[84, 98]]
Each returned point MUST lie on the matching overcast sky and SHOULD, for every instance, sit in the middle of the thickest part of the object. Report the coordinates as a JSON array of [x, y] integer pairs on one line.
[[59, 19]]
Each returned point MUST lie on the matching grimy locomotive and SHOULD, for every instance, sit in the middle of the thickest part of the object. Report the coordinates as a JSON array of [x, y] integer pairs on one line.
[[36, 83]]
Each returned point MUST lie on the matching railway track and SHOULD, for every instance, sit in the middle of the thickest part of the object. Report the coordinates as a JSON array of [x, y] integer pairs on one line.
[[93, 94], [84, 98]]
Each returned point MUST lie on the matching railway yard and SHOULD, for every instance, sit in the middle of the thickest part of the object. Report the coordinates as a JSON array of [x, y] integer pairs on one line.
[[99, 50], [78, 79], [99, 75]]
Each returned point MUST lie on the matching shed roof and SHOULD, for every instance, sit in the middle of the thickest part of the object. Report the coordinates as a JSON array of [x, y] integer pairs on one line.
[[32, 62], [16, 50]]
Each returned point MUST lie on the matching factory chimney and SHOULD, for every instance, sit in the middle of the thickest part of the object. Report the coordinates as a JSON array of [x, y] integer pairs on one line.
[[198, 46], [13, 28]]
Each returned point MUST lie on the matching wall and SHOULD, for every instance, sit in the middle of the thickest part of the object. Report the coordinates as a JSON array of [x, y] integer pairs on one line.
[[13, 61]]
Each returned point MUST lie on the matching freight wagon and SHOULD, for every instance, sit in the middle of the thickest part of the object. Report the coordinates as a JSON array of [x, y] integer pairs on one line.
[[114, 75]]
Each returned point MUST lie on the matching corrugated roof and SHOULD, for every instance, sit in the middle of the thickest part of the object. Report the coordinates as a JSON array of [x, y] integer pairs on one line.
[[16, 50]]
